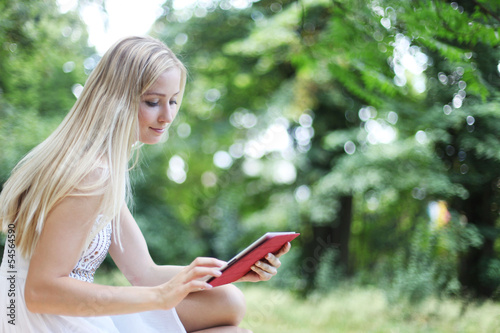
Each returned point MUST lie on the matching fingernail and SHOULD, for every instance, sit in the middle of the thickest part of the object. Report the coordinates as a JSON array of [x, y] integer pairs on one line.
[[268, 256]]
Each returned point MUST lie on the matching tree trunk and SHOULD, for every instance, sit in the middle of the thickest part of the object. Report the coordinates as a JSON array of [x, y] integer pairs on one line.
[[474, 263], [334, 236]]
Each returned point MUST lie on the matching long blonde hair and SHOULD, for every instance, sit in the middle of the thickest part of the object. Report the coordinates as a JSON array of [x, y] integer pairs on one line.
[[94, 141]]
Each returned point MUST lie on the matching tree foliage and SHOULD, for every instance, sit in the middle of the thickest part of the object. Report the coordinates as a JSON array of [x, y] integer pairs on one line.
[[348, 121], [390, 106], [41, 59]]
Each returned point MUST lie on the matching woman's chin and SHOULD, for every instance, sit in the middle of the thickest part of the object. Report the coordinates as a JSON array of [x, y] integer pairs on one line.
[[153, 140]]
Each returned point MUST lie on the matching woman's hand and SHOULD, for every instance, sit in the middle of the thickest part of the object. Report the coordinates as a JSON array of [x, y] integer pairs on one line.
[[265, 269], [190, 279]]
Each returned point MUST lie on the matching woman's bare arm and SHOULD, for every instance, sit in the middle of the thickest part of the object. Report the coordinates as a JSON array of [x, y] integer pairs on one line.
[[49, 289], [133, 258]]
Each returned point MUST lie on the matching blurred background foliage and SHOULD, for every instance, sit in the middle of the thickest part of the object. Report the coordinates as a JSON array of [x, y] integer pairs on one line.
[[370, 127]]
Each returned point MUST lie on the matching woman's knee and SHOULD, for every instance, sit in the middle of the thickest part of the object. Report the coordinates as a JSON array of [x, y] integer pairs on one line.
[[222, 306], [233, 301]]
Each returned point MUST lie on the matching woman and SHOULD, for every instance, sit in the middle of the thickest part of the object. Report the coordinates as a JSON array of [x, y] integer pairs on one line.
[[64, 207]]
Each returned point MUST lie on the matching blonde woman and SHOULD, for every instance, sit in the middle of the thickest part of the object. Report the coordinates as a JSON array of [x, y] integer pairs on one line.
[[64, 206]]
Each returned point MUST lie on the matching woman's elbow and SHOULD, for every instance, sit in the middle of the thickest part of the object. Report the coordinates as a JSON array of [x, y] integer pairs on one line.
[[33, 298]]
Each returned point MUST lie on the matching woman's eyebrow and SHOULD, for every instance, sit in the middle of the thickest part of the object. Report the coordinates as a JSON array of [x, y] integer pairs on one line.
[[148, 93], [154, 93]]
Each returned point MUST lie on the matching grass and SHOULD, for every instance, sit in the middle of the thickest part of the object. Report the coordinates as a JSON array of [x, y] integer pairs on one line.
[[353, 309], [362, 310]]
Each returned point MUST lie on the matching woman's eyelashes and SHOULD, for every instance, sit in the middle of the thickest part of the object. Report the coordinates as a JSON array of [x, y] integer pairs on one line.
[[157, 103], [152, 103]]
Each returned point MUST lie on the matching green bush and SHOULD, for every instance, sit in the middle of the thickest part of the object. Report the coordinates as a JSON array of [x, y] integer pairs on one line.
[[429, 266]]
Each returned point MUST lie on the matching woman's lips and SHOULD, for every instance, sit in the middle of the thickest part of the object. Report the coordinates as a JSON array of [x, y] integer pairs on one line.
[[158, 130]]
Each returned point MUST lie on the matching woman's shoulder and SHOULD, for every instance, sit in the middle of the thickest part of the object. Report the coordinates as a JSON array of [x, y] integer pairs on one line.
[[95, 181]]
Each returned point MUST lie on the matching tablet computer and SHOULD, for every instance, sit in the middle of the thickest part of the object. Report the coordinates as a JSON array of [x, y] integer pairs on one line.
[[241, 264]]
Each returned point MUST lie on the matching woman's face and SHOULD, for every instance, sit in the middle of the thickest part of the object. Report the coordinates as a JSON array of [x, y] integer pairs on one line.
[[158, 106]]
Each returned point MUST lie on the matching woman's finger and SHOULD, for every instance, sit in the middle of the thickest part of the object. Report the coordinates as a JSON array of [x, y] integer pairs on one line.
[[273, 260], [266, 267], [197, 272], [283, 250], [263, 275], [207, 262]]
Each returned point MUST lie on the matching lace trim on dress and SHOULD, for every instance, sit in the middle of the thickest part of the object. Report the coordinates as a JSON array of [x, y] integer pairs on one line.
[[93, 256]]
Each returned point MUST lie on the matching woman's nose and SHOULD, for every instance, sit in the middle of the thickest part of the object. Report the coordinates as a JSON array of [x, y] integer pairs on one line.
[[167, 114]]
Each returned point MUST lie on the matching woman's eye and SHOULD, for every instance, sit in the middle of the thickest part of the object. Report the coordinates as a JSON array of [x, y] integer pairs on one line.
[[151, 103], [173, 102]]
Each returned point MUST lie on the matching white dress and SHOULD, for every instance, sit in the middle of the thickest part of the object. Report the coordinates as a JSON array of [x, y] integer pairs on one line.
[[15, 317]]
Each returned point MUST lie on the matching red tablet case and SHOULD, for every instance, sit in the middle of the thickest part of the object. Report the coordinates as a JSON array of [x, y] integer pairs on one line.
[[241, 264]]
